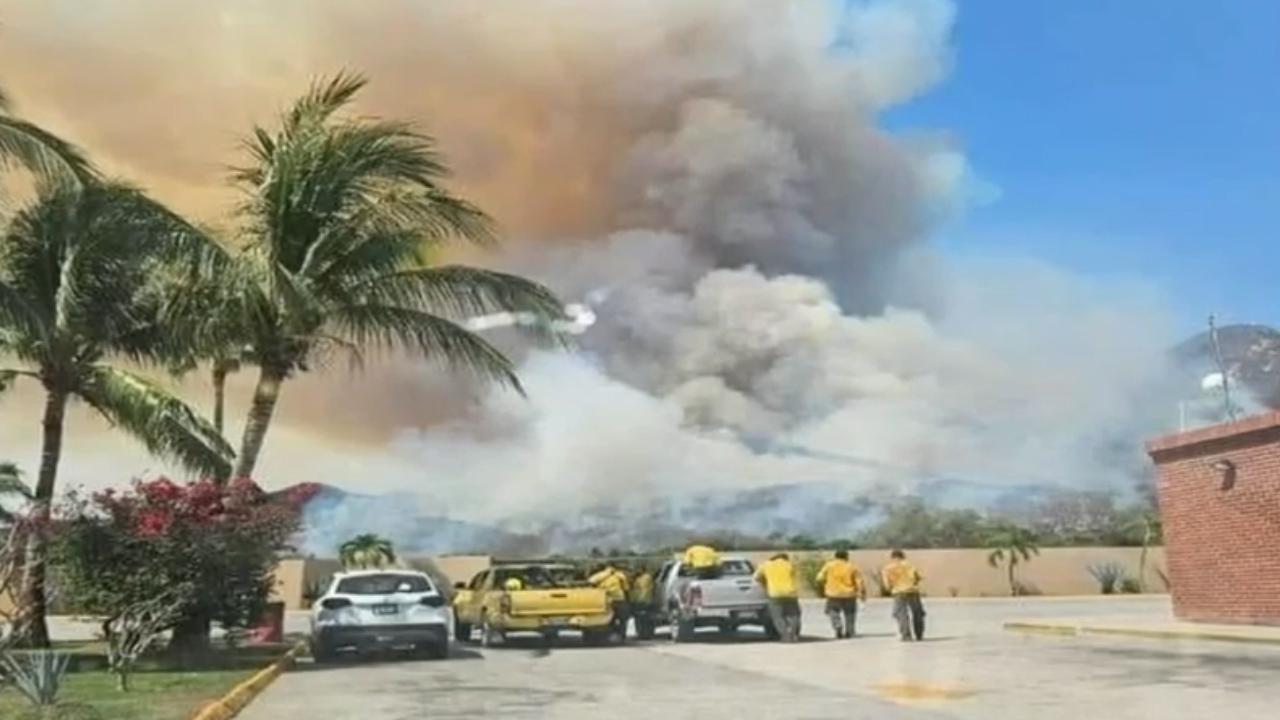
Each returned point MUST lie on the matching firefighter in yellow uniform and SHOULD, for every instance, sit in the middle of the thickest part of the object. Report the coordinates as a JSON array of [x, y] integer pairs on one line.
[[642, 602], [842, 584], [616, 586], [703, 560], [901, 578], [778, 576]]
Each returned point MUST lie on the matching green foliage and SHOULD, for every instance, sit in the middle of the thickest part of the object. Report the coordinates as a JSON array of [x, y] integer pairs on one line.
[[221, 542], [36, 674], [807, 567], [1130, 586], [341, 218], [366, 551], [1108, 576], [60, 711], [1010, 546]]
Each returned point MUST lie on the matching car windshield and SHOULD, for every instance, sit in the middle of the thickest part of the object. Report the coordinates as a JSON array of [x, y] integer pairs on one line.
[[383, 584]]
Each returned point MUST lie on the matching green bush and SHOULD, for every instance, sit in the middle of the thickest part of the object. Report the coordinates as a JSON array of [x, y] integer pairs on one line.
[[807, 567], [1130, 586]]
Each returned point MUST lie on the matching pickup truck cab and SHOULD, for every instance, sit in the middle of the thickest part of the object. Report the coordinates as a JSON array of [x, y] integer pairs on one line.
[[551, 599], [727, 600]]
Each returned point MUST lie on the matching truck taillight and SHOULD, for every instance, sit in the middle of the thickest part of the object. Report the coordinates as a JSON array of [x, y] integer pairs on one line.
[[434, 601], [693, 596], [504, 604], [335, 603]]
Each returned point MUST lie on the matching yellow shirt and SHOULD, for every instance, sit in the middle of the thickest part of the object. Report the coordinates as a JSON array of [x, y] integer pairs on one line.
[[901, 577], [642, 589], [701, 557], [840, 579], [779, 578], [613, 582]]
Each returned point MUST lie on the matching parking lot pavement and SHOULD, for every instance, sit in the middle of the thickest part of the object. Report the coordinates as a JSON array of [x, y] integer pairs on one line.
[[969, 670]]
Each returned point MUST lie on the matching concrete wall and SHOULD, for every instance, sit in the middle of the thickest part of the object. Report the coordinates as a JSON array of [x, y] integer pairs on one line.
[[1219, 490], [963, 573]]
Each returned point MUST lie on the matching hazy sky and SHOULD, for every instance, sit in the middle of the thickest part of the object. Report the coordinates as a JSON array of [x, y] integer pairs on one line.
[[1135, 137]]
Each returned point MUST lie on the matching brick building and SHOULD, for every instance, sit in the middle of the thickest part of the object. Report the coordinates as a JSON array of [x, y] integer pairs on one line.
[[1219, 490]]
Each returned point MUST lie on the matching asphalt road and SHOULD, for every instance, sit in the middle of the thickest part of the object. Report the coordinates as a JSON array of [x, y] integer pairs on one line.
[[969, 670]]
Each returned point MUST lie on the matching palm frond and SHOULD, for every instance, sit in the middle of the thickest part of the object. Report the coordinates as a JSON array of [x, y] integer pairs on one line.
[[52, 160], [324, 98], [167, 426], [383, 327], [11, 482], [6, 105]]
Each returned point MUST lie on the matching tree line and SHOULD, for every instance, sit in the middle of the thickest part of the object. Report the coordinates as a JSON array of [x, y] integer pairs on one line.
[[332, 253]]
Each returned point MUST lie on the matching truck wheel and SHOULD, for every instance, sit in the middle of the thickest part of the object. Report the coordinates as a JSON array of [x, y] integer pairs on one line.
[[596, 638], [462, 631], [682, 630]]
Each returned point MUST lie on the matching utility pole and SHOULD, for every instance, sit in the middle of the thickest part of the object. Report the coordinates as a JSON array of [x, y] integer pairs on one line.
[[1222, 369]]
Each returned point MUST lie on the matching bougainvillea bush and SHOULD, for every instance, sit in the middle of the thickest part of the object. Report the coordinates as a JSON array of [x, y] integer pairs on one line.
[[218, 543]]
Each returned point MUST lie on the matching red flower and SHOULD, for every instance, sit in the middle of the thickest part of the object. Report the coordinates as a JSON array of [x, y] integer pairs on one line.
[[152, 523]]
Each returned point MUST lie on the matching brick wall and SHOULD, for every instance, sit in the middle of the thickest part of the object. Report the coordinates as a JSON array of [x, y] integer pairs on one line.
[[1219, 490]]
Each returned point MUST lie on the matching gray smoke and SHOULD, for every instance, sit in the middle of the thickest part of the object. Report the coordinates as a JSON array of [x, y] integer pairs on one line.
[[758, 247]]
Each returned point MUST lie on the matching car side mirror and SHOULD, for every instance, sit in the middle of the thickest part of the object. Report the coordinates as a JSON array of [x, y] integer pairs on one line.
[[459, 586]]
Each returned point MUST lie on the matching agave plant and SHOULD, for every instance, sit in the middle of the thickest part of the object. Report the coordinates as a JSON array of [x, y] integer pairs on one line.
[[37, 674], [1108, 576]]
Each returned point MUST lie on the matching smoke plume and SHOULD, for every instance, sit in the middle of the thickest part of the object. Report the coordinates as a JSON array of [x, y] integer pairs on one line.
[[712, 177]]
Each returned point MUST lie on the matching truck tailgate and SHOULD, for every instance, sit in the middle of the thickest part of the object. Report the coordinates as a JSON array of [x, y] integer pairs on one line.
[[731, 592], [559, 602]]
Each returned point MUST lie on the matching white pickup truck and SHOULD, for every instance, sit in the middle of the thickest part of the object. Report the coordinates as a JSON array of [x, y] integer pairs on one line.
[[726, 600]]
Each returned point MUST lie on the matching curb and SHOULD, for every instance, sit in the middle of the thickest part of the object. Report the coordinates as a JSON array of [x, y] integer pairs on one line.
[[241, 695], [1060, 630]]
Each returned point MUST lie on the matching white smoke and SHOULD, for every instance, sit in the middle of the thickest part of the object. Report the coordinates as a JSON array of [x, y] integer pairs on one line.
[[756, 254]]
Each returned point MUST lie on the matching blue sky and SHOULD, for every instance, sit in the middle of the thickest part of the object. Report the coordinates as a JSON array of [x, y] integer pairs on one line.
[[1129, 137]]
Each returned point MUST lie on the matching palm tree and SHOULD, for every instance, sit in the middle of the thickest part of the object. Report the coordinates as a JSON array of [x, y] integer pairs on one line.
[[1011, 546], [47, 156], [76, 275], [366, 551], [340, 218], [1150, 526]]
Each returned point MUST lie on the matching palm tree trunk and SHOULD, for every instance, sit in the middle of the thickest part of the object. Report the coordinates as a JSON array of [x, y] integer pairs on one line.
[[1142, 558], [1013, 583], [219, 396], [265, 397], [34, 629]]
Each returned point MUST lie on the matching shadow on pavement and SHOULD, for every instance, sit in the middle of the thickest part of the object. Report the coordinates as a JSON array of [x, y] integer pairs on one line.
[[306, 664]]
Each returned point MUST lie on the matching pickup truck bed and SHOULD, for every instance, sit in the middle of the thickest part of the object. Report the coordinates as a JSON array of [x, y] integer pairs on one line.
[[728, 600]]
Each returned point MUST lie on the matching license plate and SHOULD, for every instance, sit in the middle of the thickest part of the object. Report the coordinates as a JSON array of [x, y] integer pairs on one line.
[[386, 609], [557, 621]]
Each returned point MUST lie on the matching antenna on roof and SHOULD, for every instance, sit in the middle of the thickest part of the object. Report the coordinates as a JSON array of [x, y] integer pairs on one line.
[[1222, 369]]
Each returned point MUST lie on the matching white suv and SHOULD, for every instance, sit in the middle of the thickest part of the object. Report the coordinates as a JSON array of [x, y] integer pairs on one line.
[[365, 611]]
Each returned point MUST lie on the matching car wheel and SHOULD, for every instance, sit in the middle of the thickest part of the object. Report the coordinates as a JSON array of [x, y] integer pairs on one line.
[[321, 655], [462, 631], [434, 651]]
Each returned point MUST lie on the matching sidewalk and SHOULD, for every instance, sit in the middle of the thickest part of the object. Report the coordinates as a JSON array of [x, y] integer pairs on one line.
[[1154, 628]]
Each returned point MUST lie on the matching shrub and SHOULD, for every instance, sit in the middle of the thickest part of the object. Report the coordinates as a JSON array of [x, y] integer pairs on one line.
[[807, 567], [1107, 575], [116, 549], [1130, 586]]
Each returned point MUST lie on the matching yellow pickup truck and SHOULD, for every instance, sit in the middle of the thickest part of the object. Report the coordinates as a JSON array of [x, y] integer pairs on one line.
[[531, 598]]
